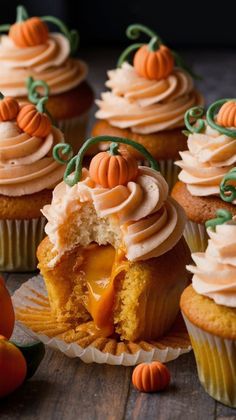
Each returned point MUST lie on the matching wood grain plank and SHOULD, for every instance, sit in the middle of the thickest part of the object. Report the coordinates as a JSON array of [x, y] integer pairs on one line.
[[185, 397]]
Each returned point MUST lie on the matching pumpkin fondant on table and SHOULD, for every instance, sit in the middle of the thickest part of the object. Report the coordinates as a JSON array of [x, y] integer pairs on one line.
[[28, 174], [151, 377], [210, 156], [30, 49], [147, 100]]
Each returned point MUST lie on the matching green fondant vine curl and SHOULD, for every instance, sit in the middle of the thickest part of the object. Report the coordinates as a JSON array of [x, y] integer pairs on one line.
[[222, 216], [228, 191]]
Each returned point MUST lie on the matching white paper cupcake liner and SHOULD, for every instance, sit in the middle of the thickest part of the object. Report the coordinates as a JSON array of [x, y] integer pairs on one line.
[[216, 364], [33, 314], [19, 240], [196, 236], [75, 130]]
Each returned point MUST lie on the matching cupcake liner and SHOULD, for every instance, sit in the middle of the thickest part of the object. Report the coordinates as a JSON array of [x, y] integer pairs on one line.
[[215, 358], [170, 171], [75, 130], [196, 236], [34, 315], [19, 240]]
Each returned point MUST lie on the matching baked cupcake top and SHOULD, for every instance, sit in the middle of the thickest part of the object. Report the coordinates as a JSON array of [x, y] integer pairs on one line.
[[215, 270], [153, 93], [27, 138], [116, 201], [211, 147], [30, 49]]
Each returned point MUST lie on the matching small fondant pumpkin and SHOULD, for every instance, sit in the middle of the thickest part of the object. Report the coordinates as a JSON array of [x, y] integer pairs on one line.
[[227, 114], [33, 120], [28, 32], [151, 377], [154, 63], [9, 108], [7, 316], [112, 168], [13, 367]]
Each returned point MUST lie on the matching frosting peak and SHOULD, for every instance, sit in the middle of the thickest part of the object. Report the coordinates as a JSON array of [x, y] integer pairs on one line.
[[209, 157], [215, 270], [146, 106], [150, 222]]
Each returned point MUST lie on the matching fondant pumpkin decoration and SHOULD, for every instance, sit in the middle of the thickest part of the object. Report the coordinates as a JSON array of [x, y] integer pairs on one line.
[[226, 116], [154, 61], [151, 377], [13, 367], [112, 168], [7, 316], [33, 120], [29, 32], [9, 108]]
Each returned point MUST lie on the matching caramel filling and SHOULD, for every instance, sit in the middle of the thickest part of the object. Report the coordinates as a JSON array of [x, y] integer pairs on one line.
[[101, 266]]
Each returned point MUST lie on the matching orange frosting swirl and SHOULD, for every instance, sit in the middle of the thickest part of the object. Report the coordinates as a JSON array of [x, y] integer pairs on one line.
[[26, 163], [150, 222], [209, 157], [49, 62], [147, 106], [215, 270]]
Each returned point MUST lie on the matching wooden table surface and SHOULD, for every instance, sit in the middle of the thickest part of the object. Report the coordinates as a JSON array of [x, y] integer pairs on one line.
[[68, 389]]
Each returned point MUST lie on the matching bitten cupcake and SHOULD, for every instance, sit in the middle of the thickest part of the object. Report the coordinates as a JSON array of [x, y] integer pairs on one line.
[[28, 173], [211, 154], [114, 258], [148, 99], [30, 49], [209, 309]]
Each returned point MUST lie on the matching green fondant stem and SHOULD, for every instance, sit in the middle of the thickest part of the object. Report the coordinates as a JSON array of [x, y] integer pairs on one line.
[[1, 96], [21, 14], [126, 53], [154, 44], [210, 117], [41, 104], [75, 165], [228, 192], [32, 86], [193, 116], [72, 36], [222, 216], [5, 28], [62, 149], [134, 31], [113, 149]]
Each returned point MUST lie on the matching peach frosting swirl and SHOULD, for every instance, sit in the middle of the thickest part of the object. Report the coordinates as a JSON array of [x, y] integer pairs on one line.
[[150, 222], [215, 270], [147, 106], [26, 162], [49, 62], [209, 157]]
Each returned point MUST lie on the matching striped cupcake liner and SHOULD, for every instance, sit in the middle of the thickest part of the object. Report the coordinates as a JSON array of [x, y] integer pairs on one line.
[[75, 130], [215, 358], [19, 240], [196, 236]]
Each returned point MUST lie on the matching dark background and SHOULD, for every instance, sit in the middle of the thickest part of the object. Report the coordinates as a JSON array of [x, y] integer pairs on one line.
[[103, 22]]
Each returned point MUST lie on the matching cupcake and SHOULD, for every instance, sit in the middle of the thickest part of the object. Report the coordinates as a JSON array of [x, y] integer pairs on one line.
[[30, 49], [209, 310], [148, 99], [28, 173], [211, 154], [114, 257]]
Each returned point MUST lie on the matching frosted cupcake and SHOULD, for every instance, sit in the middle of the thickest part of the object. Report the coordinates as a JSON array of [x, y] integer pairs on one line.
[[209, 309], [28, 173], [148, 99], [114, 258], [30, 49], [211, 154]]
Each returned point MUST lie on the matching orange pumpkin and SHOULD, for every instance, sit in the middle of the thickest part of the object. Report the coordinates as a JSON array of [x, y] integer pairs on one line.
[[33, 121], [13, 367], [7, 316], [29, 32], [151, 377], [154, 64], [9, 108], [227, 114], [111, 168]]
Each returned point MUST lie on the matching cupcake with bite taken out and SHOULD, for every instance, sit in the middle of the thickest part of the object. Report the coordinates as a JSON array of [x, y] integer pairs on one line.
[[209, 309], [148, 99], [114, 257], [28, 174], [31, 50], [210, 156]]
